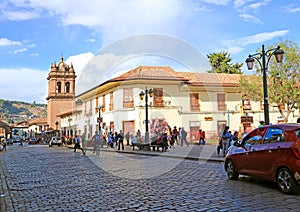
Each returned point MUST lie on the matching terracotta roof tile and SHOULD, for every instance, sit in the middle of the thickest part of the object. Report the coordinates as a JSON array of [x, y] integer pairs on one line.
[[38, 121], [167, 73], [210, 78], [149, 72]]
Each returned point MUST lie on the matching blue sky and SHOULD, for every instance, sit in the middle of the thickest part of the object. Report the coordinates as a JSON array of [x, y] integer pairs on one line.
[[35, 33]]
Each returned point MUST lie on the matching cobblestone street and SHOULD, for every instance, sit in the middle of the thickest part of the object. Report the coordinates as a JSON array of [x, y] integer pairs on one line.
[[39, 178]]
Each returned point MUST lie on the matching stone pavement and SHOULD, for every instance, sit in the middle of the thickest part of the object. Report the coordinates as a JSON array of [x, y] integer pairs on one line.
[[31, 192], [192, 152], [3, 187], [40, 178]]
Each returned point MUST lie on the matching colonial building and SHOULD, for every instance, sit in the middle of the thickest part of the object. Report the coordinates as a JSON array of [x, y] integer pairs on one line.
[[61, 91], [5, 130], [38, 127], [182, 99]]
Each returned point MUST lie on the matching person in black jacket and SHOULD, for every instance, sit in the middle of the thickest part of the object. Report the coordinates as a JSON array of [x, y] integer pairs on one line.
[[120, 138]]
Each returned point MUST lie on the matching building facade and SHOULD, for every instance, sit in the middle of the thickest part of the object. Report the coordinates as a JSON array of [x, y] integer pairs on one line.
[[194, 101]]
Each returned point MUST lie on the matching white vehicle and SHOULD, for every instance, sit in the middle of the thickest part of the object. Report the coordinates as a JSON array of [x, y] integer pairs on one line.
[[55, 141]]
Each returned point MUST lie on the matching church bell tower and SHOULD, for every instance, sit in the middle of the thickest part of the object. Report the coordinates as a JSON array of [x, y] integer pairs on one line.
[[61, 91]]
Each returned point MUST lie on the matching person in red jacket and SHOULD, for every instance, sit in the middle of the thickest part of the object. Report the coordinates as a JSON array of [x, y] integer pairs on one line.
[[201, 137]]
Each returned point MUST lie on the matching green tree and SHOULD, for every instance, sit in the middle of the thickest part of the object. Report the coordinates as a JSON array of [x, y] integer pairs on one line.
[[221, 63], [283, 81]]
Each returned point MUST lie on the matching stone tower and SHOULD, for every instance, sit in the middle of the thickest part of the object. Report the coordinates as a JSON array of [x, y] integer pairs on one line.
[[61, 91]]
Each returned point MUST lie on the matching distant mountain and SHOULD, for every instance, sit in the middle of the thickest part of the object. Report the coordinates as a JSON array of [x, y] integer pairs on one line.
[[16, 111]]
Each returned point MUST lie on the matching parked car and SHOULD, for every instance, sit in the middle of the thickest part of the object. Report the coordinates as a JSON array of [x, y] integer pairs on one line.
[[55, 141], [32, 141], [269, 152]]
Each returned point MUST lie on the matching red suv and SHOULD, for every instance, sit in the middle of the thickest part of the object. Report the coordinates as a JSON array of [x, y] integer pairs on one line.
[[269, 152]]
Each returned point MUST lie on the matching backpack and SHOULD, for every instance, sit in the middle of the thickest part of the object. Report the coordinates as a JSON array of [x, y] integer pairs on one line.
[[97, 138], [183, 133], [76, 140]]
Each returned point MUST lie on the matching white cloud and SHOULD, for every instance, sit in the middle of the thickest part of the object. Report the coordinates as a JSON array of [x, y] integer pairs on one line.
[[17, 51], [26, 85], [91, 40], [150, 49], [250, 18], [7, 42], [249, 5], [217, 2], [261, 37], [20, 15], [79, 61], [247, 9], [114, 18], [240, 3], [236, 46], [30, 85], [291, 8]]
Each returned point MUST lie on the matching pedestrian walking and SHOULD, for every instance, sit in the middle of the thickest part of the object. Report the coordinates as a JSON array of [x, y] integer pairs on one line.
[[77, 143], [96, 140], [4, 143], [183, 137], [220, 144], [110, 139], [127, 136], [116, 138], [21, 142], [225, 139], [179, 136], [120, 138], [175, 134], [83, 142], [201, 137]]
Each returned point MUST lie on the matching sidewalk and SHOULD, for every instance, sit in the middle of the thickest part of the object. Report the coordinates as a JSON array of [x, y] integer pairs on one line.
[[192, 152]]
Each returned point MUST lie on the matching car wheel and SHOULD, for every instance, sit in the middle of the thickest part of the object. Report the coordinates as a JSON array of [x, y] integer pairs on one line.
[[231, 171], [286, 182]]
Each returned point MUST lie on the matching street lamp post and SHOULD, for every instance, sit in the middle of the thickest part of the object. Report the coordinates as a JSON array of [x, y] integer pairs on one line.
[[56, 127], [264, 66], [69, 120], [99, 120], [142, 94]]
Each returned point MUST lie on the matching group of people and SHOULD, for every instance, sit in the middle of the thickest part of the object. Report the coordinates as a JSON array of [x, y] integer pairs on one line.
[[99, 140], [164, 136], [226, 139], [167, 136]]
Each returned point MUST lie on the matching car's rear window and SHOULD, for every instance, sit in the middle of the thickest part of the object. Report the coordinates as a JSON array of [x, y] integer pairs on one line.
[[274, 135]]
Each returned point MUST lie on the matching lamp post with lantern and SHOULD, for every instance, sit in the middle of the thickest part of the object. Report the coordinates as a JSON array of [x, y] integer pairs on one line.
[[56, 128], [265, 55], [142, 95], [99, 119]]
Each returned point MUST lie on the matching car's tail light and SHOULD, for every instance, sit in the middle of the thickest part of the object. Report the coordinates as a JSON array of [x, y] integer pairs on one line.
[[296, 149]]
